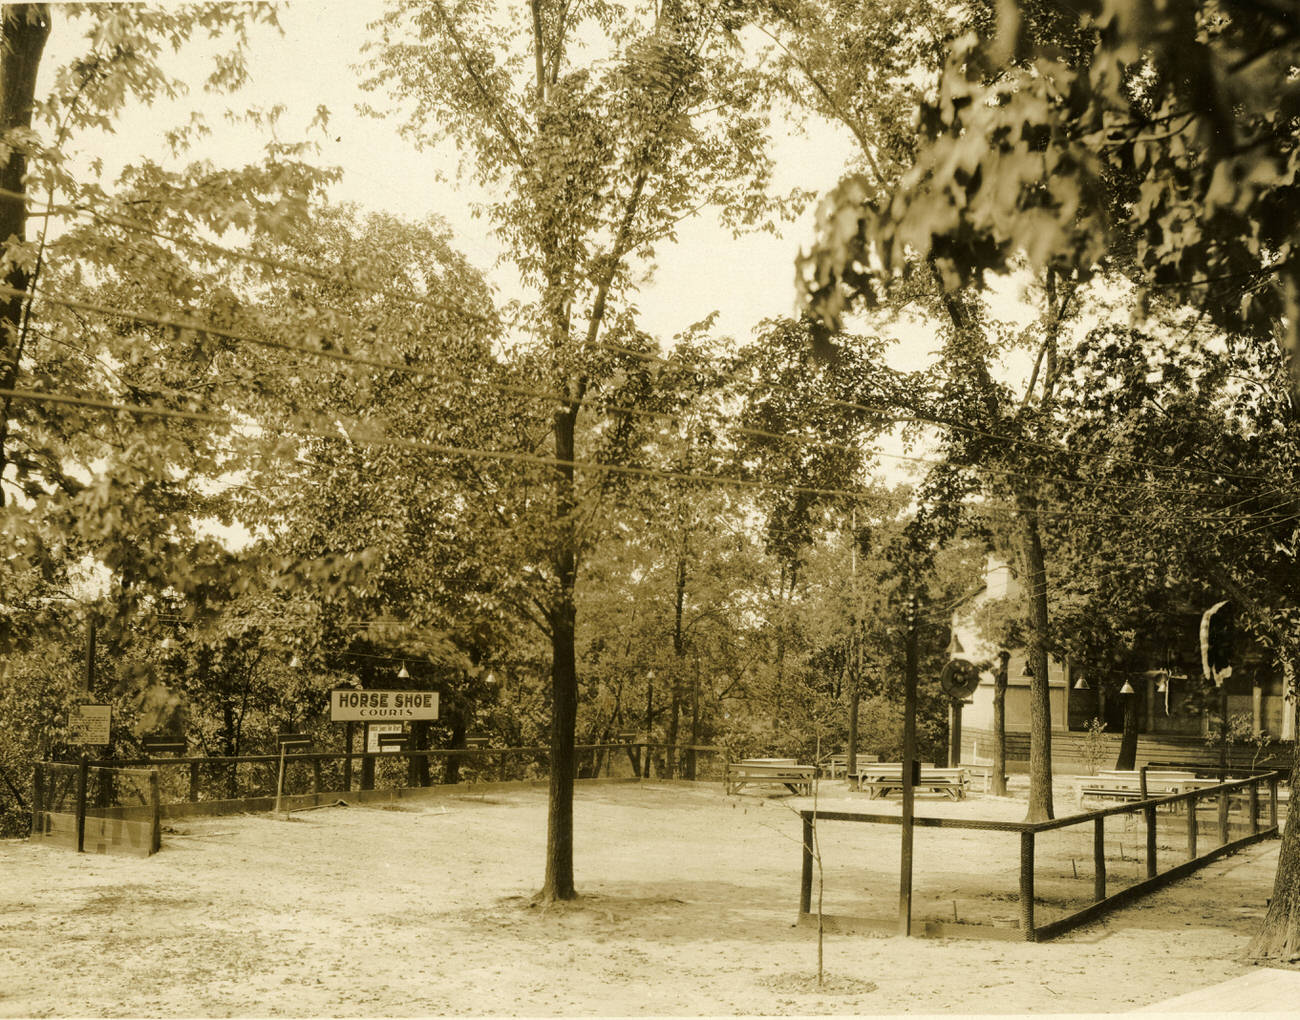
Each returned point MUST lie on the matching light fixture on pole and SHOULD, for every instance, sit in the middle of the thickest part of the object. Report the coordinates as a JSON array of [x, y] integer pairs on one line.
[[1082, 683], [954, 646], [1127, 688], [402, 674]]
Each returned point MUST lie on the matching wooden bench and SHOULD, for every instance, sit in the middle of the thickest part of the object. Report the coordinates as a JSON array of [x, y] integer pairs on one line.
[[984, 773], [794, 777], [879, 780], [836, 765]]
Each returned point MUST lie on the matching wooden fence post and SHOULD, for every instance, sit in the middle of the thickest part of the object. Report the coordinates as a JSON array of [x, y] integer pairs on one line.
[[1191, 827], [155, 807], [38, 798], [279, 781], [1254, 807], [1223, 816], [1027, 886], [194, 782], [347, 757], [1099, 858], [805, 881], [315, 774], [83, 772], [1272, 801], [1150, 813]]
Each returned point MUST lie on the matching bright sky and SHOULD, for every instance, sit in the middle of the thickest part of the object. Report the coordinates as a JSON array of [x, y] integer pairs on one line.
[[313, 64]]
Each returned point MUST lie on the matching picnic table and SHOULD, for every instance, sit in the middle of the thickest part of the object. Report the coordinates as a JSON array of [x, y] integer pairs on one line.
[[786, 772], [879, 779], [1126, 784]]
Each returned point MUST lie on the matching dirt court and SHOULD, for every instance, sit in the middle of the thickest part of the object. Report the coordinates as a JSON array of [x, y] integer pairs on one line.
[[688, 904]]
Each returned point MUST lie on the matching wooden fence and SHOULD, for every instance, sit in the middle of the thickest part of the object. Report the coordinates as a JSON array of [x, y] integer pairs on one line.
[[1070, 750], [1247, 798], [213, 779]]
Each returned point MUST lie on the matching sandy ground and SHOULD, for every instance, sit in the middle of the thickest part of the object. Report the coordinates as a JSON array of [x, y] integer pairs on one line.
[[688, 904]]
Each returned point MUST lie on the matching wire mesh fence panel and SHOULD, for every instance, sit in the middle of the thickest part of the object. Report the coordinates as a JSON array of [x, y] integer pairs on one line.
[[56, 788], [96, 809]]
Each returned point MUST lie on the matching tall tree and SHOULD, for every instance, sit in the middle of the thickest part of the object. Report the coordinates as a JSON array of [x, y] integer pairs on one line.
[[598, 128], [1165, 144], [23, 31], [867, 66]]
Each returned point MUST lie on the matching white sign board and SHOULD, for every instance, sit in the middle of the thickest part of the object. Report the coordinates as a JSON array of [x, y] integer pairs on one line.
[[382, 706], [372, 736], [90, 724]]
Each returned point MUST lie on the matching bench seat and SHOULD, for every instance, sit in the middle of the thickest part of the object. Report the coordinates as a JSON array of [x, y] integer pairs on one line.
[[881, 780]]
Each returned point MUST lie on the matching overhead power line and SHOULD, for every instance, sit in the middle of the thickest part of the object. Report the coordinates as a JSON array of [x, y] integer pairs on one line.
[[268, 261], [955, 426], [362, 438], [442, 375], [316, 273], [367, 433]]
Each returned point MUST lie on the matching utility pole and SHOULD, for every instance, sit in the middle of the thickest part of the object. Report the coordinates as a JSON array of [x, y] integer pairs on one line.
[[90, 656], [909, 765], [854, 650]]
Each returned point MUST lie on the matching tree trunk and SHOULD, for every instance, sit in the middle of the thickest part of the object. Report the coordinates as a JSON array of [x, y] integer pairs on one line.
[[851, 758], [1040, 705], [999, 786], [649, 720], [1278, 939], [417, 772], [367, 762], [1128, 742], [558, 882], [25, 29], [228, 737], [695, 723], [451, 770]]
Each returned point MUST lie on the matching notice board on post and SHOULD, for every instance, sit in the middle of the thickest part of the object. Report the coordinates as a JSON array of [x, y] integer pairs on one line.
[[373, 731], [90, 724]]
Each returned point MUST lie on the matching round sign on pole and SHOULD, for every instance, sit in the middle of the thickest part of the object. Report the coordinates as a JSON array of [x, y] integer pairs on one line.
[[959, 679]]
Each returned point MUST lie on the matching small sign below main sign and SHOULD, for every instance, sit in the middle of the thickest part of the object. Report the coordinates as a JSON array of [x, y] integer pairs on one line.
[[380, 706], [90, 724], [374, 733]]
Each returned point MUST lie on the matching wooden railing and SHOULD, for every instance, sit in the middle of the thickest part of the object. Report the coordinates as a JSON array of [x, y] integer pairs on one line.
[[195, 779], [1180, 810]]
